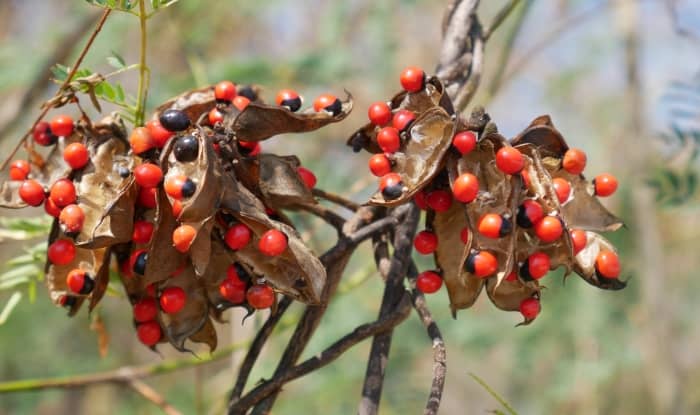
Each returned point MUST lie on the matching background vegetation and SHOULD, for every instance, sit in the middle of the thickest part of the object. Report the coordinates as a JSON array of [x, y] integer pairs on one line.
[[589, 352]]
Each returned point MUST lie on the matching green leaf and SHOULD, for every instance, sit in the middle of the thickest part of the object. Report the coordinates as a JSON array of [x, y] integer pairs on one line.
[[120, 93], [108, 91], [157, 4], [26, 270], [60, 72], [116, 61], [11, 304], [9, 283]]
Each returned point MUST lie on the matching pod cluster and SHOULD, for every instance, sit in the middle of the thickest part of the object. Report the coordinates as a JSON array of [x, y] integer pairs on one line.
[[186, 209], [500, 214]]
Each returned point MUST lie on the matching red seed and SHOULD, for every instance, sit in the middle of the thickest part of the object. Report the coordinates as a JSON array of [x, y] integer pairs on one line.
[[61, 252], [464, 141], [379, 113], [260, 296], [509, 160], [76, 155], [172, 300], [439, 200], [412, 79], [530, 308], [19, 170], [465, 188], [149, 333], [428, 282], [425, 242], [272, 243], [32, 192], [307, 176]]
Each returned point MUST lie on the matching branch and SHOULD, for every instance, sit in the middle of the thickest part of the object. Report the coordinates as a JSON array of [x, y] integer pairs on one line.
[[507, 49], [257, 345], [360, 333], [394, 291], [326, 214], [150, 394], [65, 83], [43, 76], [335, 260], [500, 18], [461, 42], [439, 350], [335, 198], [551, 37]]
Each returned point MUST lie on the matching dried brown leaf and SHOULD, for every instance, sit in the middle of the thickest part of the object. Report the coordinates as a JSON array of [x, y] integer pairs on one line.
[[259, 121]]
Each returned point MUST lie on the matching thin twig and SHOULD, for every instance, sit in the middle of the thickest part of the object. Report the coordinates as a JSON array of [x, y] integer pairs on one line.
[[150, 394], [550, 38], [507, 50], [439, 351], [122, 374], [500, 17], [257, 345], [360, 333], [335, 260], [324, 213], [65, 83], [143, 82], [394, 290], [43, 75], [335, 198]]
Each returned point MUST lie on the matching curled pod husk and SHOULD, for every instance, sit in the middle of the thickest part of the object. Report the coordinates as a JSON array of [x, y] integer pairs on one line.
[[585, 263], [541, 190], [421, 156], [179, 326], [105, 196], [259, 122], [195, 103], [51, 169], [163, 258], [432, 96], [508, 295], [498, 193], [280, 184], [297, 272], [95, 262], [462, 288]]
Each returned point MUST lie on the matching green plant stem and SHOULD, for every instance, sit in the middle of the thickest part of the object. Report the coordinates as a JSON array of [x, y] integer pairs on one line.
[[125, 374], [143, 70], [493, 393]]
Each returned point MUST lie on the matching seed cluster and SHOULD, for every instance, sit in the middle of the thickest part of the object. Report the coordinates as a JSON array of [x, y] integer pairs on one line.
[[500, 213], [187, 208]]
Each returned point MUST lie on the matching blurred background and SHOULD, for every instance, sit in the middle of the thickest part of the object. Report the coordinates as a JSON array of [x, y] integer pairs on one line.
[[621, 79]]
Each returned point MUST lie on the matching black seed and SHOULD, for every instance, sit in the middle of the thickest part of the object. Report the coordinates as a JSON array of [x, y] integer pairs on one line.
[[242, 273], [88, 285], [248, 92], [188, 188], [174, 120], [140, 263], [525, 271], [68, 301], [335, 108], [293, 104], [186, 148], [358, 142], [506, 227], [521, 218], [469, 263], [123, 172], [393, 191]]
